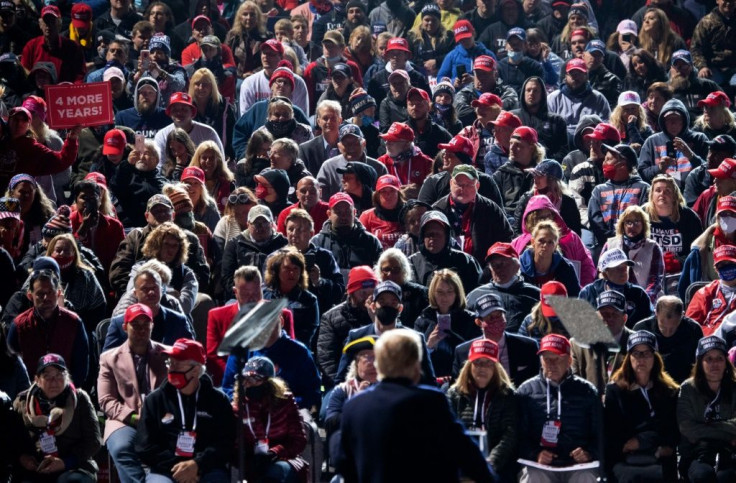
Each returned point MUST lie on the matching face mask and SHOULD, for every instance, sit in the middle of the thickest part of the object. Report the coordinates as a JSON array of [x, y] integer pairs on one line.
[[280, 129], [630, 241], [515, 57], [609, 171], [366, 121], [727, 224], [102, 52], [256, 392], [178, 379], [261, 192], [443, 108], [64, 262], [387, 315], [333, 60], [727, 273]]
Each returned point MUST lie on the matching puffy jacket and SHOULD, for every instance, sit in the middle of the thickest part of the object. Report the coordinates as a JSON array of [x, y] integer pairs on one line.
[[468, 94], [462, 56], [424, 264], [570, 243], [550, 127], [710, 305], [356, 247], [513, 181], [462, 329], [638, 306], [609, 200], [518, 299], [572, 106], [438, 185], [655, 147], [607, 83], [580, 417], [242, 250], [334, 327], [691, 406], [560, 270], [712, 44], [501, 419]]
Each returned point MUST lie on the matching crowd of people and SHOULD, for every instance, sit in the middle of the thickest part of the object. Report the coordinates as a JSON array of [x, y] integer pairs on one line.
[[417, 180]]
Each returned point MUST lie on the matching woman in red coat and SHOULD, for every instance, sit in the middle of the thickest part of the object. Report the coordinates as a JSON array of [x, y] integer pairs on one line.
[[383, 220], [274, 436]]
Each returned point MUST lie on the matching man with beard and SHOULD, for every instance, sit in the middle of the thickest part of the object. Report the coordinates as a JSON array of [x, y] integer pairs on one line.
[[343, 235], [713, 44], [688, 87], [384, 309], [182, 110], [428, 134], [577, 97], [602, 79], [485, 79], [397, 55], [66, 55], [393, 107], [533, 112], [699, 179], [145, 117], [171, 76]]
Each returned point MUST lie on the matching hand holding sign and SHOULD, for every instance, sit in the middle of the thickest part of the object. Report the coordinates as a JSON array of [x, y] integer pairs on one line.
[[72, 105]]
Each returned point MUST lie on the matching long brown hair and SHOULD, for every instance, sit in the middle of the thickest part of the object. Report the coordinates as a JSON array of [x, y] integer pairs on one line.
[[662, 43], [662, 382], [465, 383]]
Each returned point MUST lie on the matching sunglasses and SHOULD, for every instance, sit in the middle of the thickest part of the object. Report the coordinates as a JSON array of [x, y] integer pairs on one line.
[[241, 199]]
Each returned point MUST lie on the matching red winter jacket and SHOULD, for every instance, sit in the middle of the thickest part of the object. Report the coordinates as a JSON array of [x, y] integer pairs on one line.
[[414, 170], [710, 306], [104, 240], [26, 155]]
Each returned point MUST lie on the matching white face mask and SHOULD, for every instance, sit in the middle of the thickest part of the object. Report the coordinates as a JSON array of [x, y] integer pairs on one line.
[[727, 224]]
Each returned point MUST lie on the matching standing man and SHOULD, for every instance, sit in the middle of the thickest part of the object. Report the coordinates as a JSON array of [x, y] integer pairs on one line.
[[393, 416], [187, 427]]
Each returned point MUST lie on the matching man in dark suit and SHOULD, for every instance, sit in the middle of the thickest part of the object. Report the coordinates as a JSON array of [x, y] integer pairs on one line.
[[384, 310], [517, 354], [315, 151], [385, 435]]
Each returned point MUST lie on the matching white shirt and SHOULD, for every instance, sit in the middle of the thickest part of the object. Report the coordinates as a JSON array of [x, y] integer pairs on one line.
[[199, 133], [255, 88]]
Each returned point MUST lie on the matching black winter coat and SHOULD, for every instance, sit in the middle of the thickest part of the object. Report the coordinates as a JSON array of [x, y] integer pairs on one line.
[[462, 329], [241, 250], [334, 327], [357, 247]]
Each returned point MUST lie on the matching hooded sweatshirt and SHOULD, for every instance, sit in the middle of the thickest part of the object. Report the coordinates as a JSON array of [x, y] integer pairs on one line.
[[147, 124], [655, 147], [609, 200], [550, 127], [570, 244], [583, 173], [571, 106]]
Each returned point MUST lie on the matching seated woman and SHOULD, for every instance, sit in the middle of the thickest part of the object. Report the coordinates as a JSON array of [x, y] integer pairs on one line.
[[657, 96], [633, 237], [35, 207], [286, 276], [543, 319], [446, 323], [256, 159], [542, 262], [383, 219], [218, 178], [629, 118], [717, 118], [214, 106], [204, 206], [235, 216], [393, 265], [640, 420], [178, 154], [705, 415], [483, 399], [63, 432], [643, 71], [280, 122]]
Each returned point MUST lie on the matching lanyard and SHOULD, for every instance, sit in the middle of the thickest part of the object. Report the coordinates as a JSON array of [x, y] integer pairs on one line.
[[559, 401], [183, 416], [250, 426], [646, 398], [716, 400], [482, 411]]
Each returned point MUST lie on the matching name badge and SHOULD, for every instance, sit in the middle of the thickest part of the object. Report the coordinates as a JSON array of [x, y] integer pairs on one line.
[[185, 443], [550, 434], [47, 441], [261, 446]]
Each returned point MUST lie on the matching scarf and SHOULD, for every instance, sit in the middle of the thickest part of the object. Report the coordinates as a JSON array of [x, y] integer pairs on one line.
[[40, 413], [74, 36]]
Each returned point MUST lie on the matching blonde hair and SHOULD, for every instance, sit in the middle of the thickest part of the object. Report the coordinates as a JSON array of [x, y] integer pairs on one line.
[[365, 35], [679, 199], [539, 321], [398, 353], [465, 383], [205, 73], [631, 212], [450, 277], [617, 118], [221, 171], [260, 18], [729, 121], [155, 240], [548, 225], [75, 248]]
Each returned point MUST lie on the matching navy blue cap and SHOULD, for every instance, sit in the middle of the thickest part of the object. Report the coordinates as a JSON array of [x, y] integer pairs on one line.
[[350, 130], [260, 367], [341, 69], [594, 45], [516, 32], [548, 167], [642, 337], [709, 343], [682, 54], [612, 298], [486, 304], [387, 286]]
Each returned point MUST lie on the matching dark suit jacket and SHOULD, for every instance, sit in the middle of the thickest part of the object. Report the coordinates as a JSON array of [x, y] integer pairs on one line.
[[399, 432], [523, 359], [584, 364], [428, 376], [313, 154], [167, 327]]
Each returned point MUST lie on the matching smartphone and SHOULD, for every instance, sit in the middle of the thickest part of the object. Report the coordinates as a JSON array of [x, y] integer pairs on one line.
[[140, 143], [90, 206], [310, 259], [443, 322], [460, 69], [145, 59], [671, 152]]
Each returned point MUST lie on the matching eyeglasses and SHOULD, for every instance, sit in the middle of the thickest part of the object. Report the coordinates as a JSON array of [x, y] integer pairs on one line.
[[632, 223], [647, 354], [388, 270], [241, 199]]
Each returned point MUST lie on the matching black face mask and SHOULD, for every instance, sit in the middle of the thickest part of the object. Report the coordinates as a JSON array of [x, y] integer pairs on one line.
[[387, 315], [280, 129], [256, 392]]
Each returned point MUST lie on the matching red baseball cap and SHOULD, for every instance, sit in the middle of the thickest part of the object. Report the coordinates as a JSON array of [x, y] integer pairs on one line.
[[114, 142], [360, 277], [398, 43], [193, 172], [507, 119], [98, 178], [576, 64], [551, 288], [388, 181], [503, 249], [726, 203], [581, 32], [484, 62], [463, 29], [135, 311], [398, 131], [459, 144], [727, 169], [81, 15], [274, 45], [717, 98], [420, 92], [20, 110], [181, 98], [724, 253], [339, 198], [201, 17], [554, 343], [605, 132], [526, 133], [51, 10], [187, 350], [487, 99], [483, 349]]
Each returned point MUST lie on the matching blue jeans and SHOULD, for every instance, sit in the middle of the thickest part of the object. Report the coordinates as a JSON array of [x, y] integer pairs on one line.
[[120, 445], [214, 476]]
